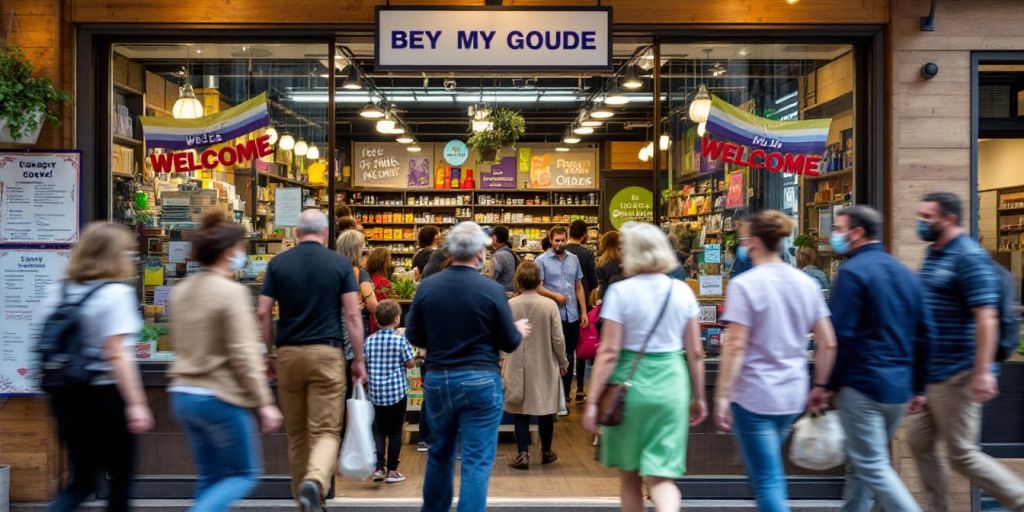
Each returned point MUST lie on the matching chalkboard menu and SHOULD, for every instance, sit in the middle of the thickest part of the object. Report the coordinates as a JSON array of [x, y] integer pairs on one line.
[[390, 165]]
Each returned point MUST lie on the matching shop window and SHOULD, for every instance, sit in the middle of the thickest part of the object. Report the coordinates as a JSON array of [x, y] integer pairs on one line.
[[260, 156]]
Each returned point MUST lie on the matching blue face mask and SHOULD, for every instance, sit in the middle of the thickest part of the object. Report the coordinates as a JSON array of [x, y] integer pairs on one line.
[[238, 261], [743, 254], [839, 243], [927, 231]]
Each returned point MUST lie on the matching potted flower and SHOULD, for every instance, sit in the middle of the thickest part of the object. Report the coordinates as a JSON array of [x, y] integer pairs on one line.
[[508, 126], [24, 100]]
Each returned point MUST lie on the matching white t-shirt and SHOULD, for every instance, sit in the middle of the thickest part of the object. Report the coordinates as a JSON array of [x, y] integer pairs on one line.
[[112, 310], [780, 305], [635, 302]]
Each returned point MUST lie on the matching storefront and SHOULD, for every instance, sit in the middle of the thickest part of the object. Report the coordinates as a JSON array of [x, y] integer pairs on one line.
[[610, 134]]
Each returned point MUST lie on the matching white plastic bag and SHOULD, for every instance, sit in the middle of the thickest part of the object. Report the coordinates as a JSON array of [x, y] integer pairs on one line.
[[818, 442], [358, 450]]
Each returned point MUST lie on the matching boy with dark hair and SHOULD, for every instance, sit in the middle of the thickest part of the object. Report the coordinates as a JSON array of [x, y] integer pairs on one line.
[[388, 355], [504, 261]]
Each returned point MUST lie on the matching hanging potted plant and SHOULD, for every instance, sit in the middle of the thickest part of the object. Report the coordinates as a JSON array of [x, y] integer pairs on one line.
[[508, 126], [24, 100]]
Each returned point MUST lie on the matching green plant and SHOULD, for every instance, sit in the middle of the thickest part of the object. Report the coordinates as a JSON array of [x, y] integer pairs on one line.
[[22, 96], [804, 240], [508, 127], [152, 332], [403, 288]]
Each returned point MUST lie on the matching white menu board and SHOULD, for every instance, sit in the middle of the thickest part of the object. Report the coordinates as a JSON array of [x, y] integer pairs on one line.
[[25, 275], [39, 197]]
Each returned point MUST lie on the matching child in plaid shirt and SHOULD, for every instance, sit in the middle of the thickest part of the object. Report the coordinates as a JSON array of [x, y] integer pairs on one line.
[[388, 354]]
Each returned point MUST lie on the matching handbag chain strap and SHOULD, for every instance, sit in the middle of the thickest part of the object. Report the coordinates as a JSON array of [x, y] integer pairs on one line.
[[643, 349]]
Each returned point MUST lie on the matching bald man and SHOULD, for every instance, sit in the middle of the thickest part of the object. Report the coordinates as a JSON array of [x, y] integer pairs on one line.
[[311, 285]]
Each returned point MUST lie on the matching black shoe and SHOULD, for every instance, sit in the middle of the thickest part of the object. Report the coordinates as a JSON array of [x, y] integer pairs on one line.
[[309, 497]]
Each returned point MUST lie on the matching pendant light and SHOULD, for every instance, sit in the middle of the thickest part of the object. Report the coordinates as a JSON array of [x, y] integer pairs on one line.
[[583, 130], [480, 118], [414, 148], [702, 128], [643, 154], [632, 79], [602, 112], [615, 96], [386, 124], [650, 148], [587, 120], [562, 149], [187, 105], [664, 142], [287, 142], [405, 139], [352, 81], [700, 107], [272, 133], [371, 111], [301, 148], [571, 138], [313, 153]]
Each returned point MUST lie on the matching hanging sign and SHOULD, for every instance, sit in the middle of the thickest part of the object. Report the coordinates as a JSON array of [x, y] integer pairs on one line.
[[456, 152], [486, 38], [389, 165], [501, 176], [25, 279], [550, 169], [741, 138], [39, 197]]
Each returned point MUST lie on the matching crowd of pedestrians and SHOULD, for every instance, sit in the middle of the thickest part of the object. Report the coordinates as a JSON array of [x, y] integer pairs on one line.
[[891, 346]]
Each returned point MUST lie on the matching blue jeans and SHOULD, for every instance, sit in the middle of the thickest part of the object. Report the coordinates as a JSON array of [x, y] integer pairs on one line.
[[869, 426], [466, 402], [761, 437], [224, 445]]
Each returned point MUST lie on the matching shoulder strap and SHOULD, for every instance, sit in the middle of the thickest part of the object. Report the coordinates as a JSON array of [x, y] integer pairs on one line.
[[657, 322], [94, 289]]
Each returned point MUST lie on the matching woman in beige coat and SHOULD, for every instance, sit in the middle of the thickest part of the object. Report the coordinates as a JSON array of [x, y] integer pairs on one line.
[[531, 373]]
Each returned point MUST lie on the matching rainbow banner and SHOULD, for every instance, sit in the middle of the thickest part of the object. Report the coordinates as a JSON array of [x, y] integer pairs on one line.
[[170, 134], [728, 122]]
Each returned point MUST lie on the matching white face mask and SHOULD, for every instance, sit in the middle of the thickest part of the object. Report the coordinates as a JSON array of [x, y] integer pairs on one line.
[[238, 261]]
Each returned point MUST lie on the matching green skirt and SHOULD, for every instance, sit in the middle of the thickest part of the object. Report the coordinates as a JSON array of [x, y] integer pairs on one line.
[[652, 437]]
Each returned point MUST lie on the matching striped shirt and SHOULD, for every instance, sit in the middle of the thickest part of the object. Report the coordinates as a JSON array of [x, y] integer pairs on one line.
[[957, 278], [386, 355]]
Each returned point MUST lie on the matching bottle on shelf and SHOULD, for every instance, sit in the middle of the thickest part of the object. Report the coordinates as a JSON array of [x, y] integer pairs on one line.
[[469, 183]]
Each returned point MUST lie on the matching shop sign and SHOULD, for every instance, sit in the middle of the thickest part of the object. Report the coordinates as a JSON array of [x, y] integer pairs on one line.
[[180, 134], [493, 38], [456, 152], [631, 204], [39, 197], [553, 170], [741, 138], [389, 165], [212, 158], [501, 177]]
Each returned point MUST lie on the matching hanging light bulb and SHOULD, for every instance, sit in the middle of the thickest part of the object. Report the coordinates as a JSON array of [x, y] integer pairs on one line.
[[301, 148], [571, 138], [650, 149], [702, 128], [700, 107], [187, 106], [405, 139], [372, 111], [587, 120], [601, 112], [352, 81], [664, 142], [583, 130], [562, 149], [272, 133], [632, 79], [397, 130], [414, 148], [480, 118], [643, 154], [386, 124], [313, 153], [287, 142], [615, 97]]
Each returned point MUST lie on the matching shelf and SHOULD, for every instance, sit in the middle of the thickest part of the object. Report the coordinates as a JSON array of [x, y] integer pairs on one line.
[[123, 175], [835, 174], [1010, 210], [826, 203], [125, 89], [834, 103], [411, 206], [408, 223], [698, 177], [302, 184], [391, 241], [127, 141]]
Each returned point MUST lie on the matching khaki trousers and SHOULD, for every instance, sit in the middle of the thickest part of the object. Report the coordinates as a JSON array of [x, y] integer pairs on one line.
[[954, 418], [311, 389]]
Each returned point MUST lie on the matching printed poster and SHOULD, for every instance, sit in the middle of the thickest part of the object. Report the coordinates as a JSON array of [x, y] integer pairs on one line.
[[735, 197], [287, 206], [712, 253], [39, 197], [25, 277], [711, 286]]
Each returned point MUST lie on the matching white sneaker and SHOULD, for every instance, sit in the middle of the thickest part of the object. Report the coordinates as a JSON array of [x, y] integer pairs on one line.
[[563, 412], [394, 477]]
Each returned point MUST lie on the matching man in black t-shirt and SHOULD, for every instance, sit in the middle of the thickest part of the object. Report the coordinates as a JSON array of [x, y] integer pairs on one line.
[[311, 284]]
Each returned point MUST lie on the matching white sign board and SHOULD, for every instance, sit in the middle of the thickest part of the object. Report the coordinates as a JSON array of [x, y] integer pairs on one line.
[[493, 38], [39, 197], [287, 206], [25, 276], [710, 286]]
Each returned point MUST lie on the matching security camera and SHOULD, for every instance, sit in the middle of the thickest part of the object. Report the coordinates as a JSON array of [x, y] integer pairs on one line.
[[929, 70], [450, 84]]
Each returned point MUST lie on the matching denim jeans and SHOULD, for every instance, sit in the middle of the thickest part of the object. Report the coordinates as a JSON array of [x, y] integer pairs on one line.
[[869, 426], [761, 437], [466, 402], [225, 446]]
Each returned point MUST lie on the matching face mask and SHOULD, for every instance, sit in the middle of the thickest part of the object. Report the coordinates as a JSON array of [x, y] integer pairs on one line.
[[237, 262], [743, 253], [839, 243], [926, 231]]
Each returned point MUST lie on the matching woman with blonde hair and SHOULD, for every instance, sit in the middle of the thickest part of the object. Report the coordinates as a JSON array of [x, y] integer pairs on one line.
[[763, 381], [98, 422], [531, 373], [647, 321], [352, 245]]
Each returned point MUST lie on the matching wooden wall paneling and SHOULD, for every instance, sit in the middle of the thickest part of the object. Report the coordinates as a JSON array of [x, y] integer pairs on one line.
[[155, 91], [30, 446], [622, 156]]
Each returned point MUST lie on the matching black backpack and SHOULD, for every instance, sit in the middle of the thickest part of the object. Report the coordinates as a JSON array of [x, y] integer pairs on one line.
[[1009, 314], [61, 345]]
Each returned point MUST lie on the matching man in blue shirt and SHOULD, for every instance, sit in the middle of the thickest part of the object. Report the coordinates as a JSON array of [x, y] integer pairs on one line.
[[562, 281], [884, 332], [962, 291]]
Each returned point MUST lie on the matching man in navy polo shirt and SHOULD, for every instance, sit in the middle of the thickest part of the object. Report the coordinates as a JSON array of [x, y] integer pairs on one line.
[[962, 291]]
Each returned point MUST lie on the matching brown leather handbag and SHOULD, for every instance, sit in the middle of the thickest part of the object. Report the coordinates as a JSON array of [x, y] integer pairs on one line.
[[611, 408]]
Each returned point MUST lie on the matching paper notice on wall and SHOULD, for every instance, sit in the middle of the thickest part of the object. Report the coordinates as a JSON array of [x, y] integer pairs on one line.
[[711, 286], [39, 197], [712, 253], [25, 276], [179, 251], [161, 295], [287, 206]]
